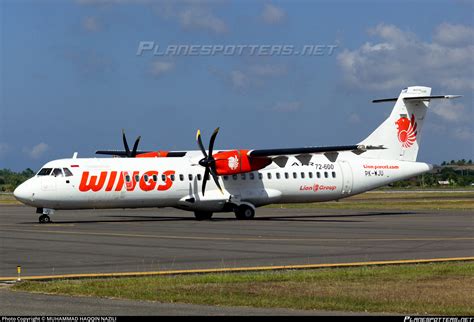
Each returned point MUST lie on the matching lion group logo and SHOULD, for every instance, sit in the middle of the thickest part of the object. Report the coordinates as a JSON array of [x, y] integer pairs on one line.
[[406, 130], [233, 162]]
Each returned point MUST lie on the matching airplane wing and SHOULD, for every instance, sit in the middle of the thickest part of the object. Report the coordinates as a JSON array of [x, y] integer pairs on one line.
[[312, 149], [123, 154]]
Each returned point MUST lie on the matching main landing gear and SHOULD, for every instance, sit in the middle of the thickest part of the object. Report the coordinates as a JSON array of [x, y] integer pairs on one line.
[[45, 212], [242, 212], [203, 215]]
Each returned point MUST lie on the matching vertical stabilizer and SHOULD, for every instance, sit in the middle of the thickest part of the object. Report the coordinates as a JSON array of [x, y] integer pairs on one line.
[[400, 133]]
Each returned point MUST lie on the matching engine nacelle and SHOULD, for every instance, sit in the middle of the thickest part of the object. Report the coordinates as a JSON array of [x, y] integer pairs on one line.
[[154, 154], [237, 161]]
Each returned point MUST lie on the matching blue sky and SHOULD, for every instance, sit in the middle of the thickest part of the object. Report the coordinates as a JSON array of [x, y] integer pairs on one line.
[[71, 78]]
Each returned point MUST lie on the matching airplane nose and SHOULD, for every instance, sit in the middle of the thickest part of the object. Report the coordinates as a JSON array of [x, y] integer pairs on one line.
[[22, 192]]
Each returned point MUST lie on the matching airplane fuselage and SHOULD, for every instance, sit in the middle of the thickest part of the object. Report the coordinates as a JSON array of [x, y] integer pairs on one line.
[[176, 182]]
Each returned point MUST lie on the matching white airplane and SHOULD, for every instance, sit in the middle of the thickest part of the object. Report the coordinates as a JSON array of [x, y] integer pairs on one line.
[[242, 179]]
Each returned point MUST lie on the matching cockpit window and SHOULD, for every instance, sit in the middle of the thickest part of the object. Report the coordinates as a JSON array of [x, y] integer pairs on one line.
[[45, 172], [67, 172], [58, 172]]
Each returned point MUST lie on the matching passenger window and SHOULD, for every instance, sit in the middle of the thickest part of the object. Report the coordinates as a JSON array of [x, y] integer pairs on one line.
[[310, 174], [199, 177], [333, 174], [190, 177], [67, 172], [172, 177], [295, 175], [243, 176], [155, 178], [287, 175], [234, 176], [278, 175], [127, 178], [145, 178], [137, 178], [326, 174], [58, 172], [45, 172], [251, 176], [181, 177], [269, 175], [226, 178], [260, 176], [163, 177], [302, 175], [318, 174]]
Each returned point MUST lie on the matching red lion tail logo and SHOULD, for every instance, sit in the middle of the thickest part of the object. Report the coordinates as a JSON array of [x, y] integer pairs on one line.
[[406, 131]]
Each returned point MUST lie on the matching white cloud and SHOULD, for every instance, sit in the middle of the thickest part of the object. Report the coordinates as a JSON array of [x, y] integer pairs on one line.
[[448, 34], [399, 59], [448, 110], [37, 151], [272, 14], [159, 68], [268, 70], [463, 133], [238, 78], [191, 15], [201, 18], [91, 24], [250, 75]]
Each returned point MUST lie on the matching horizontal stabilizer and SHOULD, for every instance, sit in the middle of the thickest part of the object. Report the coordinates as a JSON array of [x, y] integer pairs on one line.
[[416, 98]]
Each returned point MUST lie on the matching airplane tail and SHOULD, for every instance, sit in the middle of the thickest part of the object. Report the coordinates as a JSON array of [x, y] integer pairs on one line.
[[399, 134]]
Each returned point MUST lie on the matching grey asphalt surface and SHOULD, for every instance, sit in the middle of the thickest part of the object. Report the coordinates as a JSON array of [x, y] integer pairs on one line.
[[136, 240], [107, 241], [20, 303]]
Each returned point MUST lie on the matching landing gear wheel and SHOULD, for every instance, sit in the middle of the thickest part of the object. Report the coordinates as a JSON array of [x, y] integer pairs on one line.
[[203, 215], [244, 212], [44, 219]]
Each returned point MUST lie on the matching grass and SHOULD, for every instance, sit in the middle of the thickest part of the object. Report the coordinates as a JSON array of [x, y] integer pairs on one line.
[[438, 288], [397, 201], [8, 199]]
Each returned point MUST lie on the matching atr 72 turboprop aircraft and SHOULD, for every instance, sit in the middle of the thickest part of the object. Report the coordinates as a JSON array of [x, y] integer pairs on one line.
[[242, 179]]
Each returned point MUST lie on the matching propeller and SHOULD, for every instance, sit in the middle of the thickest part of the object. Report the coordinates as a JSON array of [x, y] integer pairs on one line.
[[208, 162], [133, 153]]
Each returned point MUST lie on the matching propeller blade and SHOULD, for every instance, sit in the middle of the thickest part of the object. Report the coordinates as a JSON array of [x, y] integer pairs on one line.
[[211, 142], [204, 182], [201, 146], [208, 162], [216, 180], [125, 144], [135, 147]]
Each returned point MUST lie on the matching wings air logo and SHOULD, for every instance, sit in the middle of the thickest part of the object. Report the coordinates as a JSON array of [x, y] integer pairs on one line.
[[233, 162], [406, 131]]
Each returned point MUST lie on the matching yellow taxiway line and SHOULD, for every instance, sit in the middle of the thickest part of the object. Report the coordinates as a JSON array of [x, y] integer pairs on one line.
[[237, 269]]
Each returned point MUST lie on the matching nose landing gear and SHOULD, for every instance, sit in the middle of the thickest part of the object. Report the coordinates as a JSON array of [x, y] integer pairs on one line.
[[45, 212], [44, 219]]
